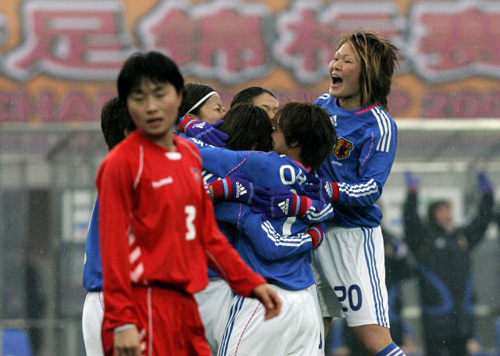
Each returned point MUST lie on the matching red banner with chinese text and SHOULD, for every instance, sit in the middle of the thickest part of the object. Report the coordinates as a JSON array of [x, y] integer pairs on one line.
[[59, 59]]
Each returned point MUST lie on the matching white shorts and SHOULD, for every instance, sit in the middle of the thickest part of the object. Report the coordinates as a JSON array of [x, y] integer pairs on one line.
[[213, 304], [297, 330], [352, 261], [328, 302], [92, 317]]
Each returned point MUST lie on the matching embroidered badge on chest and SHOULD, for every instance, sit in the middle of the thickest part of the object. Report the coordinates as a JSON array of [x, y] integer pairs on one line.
[[344, 148]]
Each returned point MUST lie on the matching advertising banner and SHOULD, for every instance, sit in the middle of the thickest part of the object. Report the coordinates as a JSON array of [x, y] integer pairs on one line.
[[59, 59]]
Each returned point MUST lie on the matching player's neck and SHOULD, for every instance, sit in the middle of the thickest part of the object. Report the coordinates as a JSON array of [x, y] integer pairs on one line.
[[166, 140], [350, 103], [295, 153]]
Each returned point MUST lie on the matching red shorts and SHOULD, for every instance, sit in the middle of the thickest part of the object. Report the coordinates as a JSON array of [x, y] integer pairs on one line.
[[169, 321]]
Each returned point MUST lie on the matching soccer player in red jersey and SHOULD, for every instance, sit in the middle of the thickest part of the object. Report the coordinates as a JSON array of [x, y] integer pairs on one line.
[[157, 225]]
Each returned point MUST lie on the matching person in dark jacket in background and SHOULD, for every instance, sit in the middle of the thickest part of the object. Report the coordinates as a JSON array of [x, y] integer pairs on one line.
[[443, 253]]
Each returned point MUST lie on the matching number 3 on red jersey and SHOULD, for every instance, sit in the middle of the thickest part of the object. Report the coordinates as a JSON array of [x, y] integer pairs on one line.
[[190, 211]]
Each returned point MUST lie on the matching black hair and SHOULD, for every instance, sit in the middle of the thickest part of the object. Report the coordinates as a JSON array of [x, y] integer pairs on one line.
[[378, 60], [248, 127], [152, 65], [247, 95], [433, 208], [115, 120], [308, 126], [193, 93]]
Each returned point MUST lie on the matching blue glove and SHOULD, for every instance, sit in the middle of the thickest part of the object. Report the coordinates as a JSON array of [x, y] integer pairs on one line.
[[281, 204], [412, 182], [319, 189], [485, 184], [203, 131], [239, 188]]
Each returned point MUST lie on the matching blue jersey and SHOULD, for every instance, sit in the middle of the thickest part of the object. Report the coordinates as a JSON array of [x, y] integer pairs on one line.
[[361, 161], [278, 249], [92, 269]]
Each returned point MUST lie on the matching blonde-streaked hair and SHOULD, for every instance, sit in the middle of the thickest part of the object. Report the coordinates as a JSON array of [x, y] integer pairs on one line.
[[378, 58]]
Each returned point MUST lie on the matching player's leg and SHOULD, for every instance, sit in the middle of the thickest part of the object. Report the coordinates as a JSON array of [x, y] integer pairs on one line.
[[352, 260], [92, 316], [213, 304]]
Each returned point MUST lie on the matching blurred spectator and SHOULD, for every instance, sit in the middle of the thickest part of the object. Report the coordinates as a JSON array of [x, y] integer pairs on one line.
[[443, 254]]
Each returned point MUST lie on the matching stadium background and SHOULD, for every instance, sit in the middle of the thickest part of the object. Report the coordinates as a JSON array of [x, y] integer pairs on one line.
[[58, 63]]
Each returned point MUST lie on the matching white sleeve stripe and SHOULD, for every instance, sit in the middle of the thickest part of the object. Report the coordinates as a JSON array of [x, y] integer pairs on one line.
[[279, 240], [362, 194], [356, 191], [389, 125], [385, 130], [379, 127], [141, 166], [383, 137], [359, 187], [314, 215]]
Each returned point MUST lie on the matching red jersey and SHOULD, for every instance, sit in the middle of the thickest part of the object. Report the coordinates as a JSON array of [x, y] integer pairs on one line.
[[157, 226]]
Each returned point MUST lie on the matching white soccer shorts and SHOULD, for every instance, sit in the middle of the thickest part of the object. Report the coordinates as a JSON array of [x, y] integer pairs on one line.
[[92, 317], [297, 330], [328, 302], [352, 261], [213, 304]]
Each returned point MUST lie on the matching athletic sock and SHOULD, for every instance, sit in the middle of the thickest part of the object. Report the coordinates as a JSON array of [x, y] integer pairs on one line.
[[391, 350]]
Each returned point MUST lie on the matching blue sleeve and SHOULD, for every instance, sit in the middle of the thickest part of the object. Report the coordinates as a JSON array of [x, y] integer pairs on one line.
[[318, 212], [375, 164], [270, 244], [221, 161], [92, 269]]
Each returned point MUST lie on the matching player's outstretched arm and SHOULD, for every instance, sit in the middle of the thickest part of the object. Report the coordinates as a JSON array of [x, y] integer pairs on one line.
[[269, 298]]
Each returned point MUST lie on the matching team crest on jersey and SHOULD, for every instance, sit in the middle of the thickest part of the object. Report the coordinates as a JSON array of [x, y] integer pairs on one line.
[[343, 148]]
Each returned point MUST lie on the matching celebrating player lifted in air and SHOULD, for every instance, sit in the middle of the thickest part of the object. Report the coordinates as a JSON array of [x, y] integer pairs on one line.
[[352, 256], [157, 225]]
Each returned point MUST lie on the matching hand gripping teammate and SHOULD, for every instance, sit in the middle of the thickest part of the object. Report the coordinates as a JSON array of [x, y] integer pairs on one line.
[[157, 225]]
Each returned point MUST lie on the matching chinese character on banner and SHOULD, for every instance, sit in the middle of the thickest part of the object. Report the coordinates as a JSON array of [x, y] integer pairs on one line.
[[456, 41], [170, 29], [384, 18], [78, 40], [305, 43], [220, 40]]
